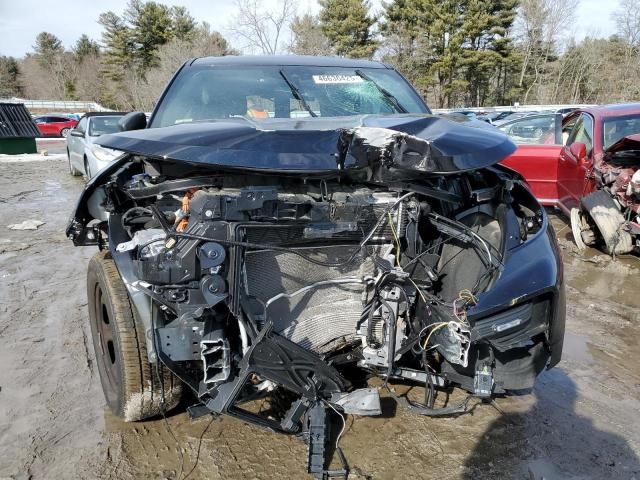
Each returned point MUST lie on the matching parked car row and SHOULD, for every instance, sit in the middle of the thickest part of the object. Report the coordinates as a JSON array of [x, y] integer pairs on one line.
[[85, 157], [505, 116], [55, 125]]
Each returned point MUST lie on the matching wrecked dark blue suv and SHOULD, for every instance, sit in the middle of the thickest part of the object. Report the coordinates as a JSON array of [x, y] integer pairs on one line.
[[286, 228]]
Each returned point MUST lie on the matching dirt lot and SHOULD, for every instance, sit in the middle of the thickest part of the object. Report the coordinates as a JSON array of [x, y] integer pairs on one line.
[[581, 420]]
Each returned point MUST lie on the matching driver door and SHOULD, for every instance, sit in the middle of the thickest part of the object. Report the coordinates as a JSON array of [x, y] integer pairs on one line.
[[572, 171]]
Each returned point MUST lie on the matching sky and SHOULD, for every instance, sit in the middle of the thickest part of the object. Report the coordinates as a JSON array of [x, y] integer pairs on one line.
[[22, 20]]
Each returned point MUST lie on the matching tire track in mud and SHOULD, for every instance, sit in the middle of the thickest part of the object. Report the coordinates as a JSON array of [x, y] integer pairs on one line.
[[49, 394]]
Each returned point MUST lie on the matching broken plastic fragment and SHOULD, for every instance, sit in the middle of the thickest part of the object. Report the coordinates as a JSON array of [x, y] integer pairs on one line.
[[26, 225]]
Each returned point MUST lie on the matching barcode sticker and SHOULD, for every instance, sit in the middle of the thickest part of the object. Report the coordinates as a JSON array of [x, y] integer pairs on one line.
[[326, 79]]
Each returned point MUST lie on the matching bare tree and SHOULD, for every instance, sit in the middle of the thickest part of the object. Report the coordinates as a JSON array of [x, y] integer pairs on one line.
[[262, 29], [627, 19], [539, 30], [202, 42]]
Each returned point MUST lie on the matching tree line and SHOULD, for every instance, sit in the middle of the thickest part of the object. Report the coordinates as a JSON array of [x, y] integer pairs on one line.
[[456, 52]]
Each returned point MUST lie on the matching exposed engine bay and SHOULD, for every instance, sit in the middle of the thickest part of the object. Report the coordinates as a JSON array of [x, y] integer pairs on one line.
[[619, 175], [299, 287], [610, 214]]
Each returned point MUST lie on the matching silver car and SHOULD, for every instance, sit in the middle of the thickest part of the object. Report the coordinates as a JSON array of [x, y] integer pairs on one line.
[[86, 157]]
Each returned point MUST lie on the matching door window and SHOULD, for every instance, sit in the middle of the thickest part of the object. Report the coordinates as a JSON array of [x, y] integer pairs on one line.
[[82, 125], [568, 127], [583, 132]]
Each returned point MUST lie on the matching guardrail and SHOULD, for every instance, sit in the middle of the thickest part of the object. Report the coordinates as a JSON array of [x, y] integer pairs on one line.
[[72, 105]]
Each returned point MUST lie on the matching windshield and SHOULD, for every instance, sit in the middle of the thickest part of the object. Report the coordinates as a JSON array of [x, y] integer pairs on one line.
[[616, 128], [209, 93], [103, 125]]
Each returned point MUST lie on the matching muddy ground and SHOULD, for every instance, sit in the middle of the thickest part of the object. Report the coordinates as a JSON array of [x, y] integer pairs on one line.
[[582, 419]]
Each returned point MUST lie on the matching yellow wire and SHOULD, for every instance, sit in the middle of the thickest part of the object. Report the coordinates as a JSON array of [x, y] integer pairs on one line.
[[424, 299], [437, 326], [396, 239]]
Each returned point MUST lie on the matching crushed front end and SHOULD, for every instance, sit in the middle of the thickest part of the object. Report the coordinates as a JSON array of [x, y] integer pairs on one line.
[[296, 287]]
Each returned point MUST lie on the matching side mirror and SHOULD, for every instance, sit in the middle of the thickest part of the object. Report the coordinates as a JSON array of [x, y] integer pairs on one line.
[[579, 151], [133, 121], [76, 133]]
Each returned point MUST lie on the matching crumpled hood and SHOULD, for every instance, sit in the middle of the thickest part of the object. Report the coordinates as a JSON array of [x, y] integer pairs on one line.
[[625, 144], [422, 143]]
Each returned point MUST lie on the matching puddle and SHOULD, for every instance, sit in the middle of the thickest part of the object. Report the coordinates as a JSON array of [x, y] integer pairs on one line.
[[576, 349]]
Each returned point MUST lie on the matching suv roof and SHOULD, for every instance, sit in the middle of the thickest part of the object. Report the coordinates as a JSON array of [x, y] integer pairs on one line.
[[287, 60]]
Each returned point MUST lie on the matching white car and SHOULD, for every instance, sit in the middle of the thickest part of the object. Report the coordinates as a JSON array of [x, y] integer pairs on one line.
[[84, 156]]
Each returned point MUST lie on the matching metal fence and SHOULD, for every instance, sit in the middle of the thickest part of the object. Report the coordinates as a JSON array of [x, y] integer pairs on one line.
[[52, 105]]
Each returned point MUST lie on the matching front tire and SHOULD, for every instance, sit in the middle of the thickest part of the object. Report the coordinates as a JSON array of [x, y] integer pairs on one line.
[[609, 220], [73, 171], [132, 387], [64, 132], [87, 169]]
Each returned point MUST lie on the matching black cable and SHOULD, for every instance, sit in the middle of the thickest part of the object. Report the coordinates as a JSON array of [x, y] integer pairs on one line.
[[430, 412], [429, 250], [466, 228], [198, 450], [162, 398], [429, 387]]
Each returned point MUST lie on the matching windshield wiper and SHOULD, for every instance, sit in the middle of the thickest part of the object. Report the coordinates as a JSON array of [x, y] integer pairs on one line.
[[385, 93], [297, 95]]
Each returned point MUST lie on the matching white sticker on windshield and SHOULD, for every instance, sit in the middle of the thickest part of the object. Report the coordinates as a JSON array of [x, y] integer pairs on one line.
[[326, 79]]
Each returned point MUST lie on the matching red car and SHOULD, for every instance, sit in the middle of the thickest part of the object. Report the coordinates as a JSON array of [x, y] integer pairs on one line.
[[594, 177], [55, 125]]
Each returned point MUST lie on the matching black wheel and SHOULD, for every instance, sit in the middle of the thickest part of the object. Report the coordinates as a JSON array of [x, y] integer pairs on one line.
[[64, 132], [72, 170], [87, 169], [609, 221], [132, 387]]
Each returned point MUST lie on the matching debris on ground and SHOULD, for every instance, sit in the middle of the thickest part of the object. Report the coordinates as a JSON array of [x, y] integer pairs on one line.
[[26, 225]]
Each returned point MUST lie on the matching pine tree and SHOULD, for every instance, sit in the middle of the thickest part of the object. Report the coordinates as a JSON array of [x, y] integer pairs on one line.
[[10, 85], [47, 48], [151, 25], [85, 47], [118, 45], [348, 26], [308, 38], [183, 23], [457, 50], [404, 23]]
